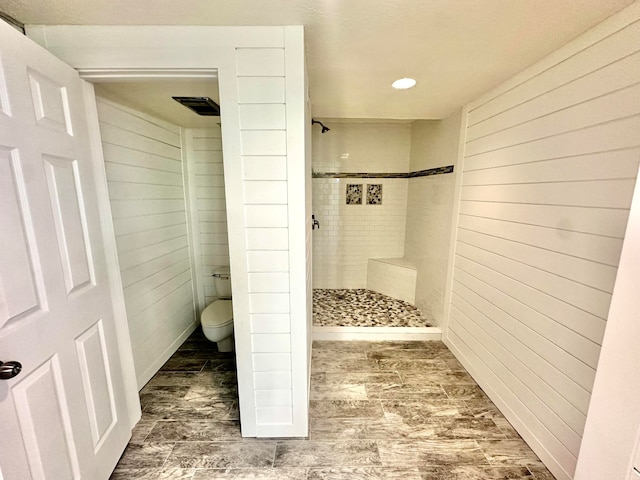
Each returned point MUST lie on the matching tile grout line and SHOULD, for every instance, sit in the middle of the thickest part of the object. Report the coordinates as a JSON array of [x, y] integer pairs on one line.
[[168, 455], [484, 454], [275, 452]]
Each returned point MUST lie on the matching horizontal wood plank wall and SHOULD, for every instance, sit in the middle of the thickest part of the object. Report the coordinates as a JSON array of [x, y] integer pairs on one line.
[[205, 158], [261, 98], [549, 168], [144, 172]]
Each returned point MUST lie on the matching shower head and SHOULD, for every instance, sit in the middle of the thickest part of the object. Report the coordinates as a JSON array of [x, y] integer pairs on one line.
[[324, 129]]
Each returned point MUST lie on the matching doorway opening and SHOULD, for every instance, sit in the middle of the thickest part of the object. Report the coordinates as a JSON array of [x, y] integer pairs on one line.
[[165, 174]]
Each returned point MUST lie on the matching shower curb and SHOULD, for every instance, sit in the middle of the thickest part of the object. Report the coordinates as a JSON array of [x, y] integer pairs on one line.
[[377, 334]]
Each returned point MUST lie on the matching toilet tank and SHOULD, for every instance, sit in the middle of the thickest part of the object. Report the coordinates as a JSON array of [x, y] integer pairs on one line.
[[222, 281]]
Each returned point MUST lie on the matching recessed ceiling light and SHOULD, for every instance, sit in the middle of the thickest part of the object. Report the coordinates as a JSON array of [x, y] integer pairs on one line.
[[404, 83]]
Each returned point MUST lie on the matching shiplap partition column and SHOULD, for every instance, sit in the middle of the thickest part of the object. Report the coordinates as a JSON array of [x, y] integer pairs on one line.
[[264, 129], [261, 95], [550, 163], [143, 164]]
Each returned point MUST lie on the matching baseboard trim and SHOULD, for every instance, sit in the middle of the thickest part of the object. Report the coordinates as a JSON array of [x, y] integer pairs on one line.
[[147, 375], [377, 334]]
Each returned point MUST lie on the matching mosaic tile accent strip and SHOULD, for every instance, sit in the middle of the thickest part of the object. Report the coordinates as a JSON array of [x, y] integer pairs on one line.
[[419, 173], [363, 308], [431, 171], [374, 194], [354, 194]]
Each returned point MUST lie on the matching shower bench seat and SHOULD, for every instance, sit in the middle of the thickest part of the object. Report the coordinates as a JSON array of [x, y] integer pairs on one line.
[[395, 277]]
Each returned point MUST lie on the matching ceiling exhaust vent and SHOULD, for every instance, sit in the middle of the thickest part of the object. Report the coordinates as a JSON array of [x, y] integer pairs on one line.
[[201, 105]]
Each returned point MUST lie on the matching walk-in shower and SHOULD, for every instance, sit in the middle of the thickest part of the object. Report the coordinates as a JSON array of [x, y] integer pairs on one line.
[[364, 287]]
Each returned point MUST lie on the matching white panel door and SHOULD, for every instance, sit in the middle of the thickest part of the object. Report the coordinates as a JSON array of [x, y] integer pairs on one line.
[[64, 415]]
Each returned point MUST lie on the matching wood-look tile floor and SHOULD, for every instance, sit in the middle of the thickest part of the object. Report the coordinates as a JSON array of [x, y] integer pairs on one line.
[[393, 410]]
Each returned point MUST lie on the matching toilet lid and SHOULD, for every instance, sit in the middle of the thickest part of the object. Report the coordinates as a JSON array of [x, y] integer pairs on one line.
[[217, 314]]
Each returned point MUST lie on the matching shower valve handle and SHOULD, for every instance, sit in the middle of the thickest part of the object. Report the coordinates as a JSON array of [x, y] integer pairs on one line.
[[314, 223]]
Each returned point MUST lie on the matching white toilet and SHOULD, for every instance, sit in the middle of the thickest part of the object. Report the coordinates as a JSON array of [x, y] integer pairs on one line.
[[217, 318]]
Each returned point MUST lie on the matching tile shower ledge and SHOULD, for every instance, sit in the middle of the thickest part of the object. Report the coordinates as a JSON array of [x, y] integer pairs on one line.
[[401, 262], [377, 334], [395, 277]]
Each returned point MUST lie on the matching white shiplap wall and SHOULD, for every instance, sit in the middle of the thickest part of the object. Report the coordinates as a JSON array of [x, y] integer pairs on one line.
[[261, 95], [549, 168], [203, 148], [144, 172], [271, 104]]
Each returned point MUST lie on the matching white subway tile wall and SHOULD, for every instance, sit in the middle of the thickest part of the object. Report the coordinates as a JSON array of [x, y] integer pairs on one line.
[[357, 233], [434, 143], [428, 236], [351, 234]]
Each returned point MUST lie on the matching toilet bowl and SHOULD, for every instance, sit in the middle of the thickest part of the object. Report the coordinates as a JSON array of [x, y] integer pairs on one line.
[[217, 318], [217, 324]]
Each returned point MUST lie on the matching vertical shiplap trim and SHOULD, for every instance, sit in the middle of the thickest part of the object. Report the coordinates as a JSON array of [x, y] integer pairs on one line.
[[457, 190], [295, 88], [193, 218], [309, 213], [232, 161]]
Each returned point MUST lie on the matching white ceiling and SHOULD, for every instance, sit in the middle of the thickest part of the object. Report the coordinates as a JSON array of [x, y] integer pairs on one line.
[[155, 98], [456, 49]]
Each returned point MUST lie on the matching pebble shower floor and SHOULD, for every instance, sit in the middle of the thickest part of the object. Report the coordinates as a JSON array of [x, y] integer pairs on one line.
[[363, 308]]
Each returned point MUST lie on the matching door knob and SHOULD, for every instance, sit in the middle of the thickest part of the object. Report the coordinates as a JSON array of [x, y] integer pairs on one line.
[[9, 370]]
